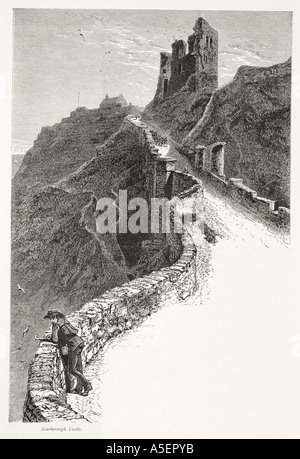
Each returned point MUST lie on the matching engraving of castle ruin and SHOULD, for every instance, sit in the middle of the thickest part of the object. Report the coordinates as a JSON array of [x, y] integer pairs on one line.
[[217, 156]]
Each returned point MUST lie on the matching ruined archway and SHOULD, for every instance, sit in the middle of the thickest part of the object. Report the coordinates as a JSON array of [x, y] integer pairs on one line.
[[166, 83], [217, 159], [199, 157]]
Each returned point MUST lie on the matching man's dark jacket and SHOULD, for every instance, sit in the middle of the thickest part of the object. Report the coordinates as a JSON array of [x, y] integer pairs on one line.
[[67, 336]]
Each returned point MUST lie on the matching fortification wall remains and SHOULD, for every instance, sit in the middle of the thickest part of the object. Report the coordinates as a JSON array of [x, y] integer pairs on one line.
[[121, 308], [234, 187]]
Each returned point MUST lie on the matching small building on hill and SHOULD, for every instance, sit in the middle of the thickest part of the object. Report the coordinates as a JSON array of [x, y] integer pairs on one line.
[[112, 102]]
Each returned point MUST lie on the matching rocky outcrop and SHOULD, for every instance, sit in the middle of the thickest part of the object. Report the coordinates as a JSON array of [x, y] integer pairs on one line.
[[252, 115], [57, 254], [60, 149], [178, 113]]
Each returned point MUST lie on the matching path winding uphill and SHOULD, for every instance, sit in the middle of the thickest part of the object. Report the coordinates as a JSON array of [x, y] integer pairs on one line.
[[220, 363]]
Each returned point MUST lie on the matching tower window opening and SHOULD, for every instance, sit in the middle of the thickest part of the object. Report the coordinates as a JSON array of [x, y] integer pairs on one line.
[[210, 41], [199, 158], [166, 82], [179, 68], [164, 71], [163, 60], [207, 40]]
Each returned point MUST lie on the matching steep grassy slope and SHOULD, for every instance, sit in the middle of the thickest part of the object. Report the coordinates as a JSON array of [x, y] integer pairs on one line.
[[57, 254], [63, 147], [58, 258], [178, 114], [252, 115]]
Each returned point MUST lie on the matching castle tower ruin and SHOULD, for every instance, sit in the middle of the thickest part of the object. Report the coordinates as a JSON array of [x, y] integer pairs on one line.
[[198, 59]]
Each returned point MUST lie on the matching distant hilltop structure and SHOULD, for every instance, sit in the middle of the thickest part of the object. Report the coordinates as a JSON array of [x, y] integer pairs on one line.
[[198, 57], [111, 102]]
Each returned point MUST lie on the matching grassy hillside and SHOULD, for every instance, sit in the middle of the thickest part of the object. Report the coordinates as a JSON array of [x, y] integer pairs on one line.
[[58, 258], [178, 113], [252, 115]]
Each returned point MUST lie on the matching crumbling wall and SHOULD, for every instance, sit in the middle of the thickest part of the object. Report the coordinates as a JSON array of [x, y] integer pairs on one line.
[[236, 189], [196, 62]]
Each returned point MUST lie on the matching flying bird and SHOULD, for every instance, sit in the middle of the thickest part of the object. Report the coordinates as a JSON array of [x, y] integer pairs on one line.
[[107, 52], [81, 34], [25, 331], [100, 70], [21, 289]]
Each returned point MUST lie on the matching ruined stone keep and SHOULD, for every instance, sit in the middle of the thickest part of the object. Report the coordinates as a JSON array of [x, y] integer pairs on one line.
[[197, 58]]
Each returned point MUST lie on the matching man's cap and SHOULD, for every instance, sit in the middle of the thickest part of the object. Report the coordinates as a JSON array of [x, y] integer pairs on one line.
[[53, 312]]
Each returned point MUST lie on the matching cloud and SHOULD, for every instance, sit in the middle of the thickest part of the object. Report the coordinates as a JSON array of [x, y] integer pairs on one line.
[[249, 52], [246, 48], [20, 147], [242, 55], [235, 58], [135, 41], [111, 40], [159, 46]]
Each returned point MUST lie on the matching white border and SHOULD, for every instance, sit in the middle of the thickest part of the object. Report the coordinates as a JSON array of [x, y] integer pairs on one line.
[[21, 430]]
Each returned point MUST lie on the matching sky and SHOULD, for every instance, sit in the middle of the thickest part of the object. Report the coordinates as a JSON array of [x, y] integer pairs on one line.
[[52, 63]]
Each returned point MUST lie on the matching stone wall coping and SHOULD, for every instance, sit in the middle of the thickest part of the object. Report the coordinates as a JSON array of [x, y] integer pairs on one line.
[[149, 139], [211, 146], [265, 200], [238, 183], [222, 179], [235, 180], [284, 209], [242, 186]]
